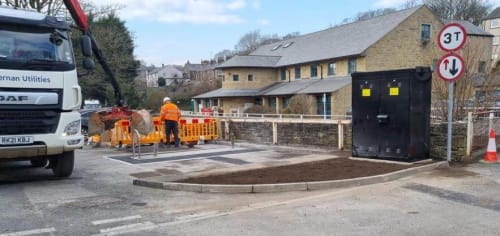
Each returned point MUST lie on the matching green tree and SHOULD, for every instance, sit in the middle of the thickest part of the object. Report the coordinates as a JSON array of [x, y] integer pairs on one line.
[[118, 47], [161, 82], [114, 40]]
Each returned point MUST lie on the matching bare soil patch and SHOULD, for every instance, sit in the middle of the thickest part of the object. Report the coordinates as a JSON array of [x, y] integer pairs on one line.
[[331, 169]]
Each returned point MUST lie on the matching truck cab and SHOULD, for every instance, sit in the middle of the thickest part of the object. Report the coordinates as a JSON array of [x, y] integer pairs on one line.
[[39, 91]]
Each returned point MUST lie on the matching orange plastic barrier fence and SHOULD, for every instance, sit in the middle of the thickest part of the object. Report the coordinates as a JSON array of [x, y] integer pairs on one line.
[[190, 132]]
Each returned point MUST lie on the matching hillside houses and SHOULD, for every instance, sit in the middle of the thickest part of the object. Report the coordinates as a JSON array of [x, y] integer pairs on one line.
[[182, 74], [319, 64]]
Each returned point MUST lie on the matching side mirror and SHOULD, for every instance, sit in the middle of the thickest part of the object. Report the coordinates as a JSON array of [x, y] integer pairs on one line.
[[88, 64], [86, 46]]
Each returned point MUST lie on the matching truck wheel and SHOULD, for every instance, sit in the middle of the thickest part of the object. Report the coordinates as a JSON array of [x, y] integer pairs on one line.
[[62, 165], [39, 162]]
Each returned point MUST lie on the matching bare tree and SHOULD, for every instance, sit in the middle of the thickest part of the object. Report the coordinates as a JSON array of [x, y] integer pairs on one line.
[[249, 42], [48, 7], [410, 4], [57, 7], [471, 10], [253, 39], [224, 54], [291, 35], [267, 39], [374, 13], [301, 104], [471, 90]]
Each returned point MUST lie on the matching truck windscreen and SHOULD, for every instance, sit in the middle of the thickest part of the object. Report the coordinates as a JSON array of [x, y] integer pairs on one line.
[[27, 48]]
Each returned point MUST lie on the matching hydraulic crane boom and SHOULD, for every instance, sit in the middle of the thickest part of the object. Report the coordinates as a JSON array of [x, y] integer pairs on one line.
[[81, 20]]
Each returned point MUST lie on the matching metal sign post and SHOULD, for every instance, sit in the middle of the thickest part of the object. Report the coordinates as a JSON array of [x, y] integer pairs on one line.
[[451, 38], [450, 119]]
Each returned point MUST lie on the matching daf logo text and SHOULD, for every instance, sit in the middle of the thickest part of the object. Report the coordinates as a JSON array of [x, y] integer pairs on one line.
[[11, 98]]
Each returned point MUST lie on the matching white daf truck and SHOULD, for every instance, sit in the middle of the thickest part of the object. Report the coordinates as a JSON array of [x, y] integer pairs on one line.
[[39, 91]]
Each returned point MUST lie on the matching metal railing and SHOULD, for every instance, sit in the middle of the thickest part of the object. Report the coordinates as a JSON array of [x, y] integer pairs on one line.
[[265, 116]]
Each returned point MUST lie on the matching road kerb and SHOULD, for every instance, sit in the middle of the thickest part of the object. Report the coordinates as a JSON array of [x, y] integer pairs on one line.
[[288, 187], [182, 187], [148, 183], [226, 188]]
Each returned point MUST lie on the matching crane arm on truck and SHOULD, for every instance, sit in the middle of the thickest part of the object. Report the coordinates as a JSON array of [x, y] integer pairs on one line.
[[81, 21]]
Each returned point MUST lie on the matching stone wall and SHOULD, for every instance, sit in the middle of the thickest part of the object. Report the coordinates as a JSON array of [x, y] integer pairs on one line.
[[292, 134], [439, 141], [326, 135], [253, 132]]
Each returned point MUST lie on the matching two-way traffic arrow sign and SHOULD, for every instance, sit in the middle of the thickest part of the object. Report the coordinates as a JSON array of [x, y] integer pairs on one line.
[[451, 38], [450, 67]]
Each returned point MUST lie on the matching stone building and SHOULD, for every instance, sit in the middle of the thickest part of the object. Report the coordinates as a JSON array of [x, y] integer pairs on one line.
[[491, 24], [319, 64], [203, 71], [170, 73]]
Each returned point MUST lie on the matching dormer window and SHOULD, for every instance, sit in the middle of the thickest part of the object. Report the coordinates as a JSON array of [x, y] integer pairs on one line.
[[287, 44]]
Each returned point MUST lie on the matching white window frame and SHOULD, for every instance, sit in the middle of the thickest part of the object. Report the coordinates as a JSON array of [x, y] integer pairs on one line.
[[496, 40], [495, 23], [422, 29]]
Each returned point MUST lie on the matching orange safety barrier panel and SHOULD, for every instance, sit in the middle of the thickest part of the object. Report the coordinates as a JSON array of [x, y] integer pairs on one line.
[[190, 132]]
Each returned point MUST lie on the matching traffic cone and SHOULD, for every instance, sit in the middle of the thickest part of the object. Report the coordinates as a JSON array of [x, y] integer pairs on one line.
[[491, 152]]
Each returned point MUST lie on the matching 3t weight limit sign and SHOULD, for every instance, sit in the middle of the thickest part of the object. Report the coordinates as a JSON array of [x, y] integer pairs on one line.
[[452, 37]]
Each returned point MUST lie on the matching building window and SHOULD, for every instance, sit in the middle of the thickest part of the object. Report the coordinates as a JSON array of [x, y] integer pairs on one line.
[[250, 77], [206, 102], [285, 101], [314, 71], [332, 68], [495, 23], [283, 73], [323, 104], [236, 77], [496, 40], [482, 67], [297, 72], [215, 102], [258, 101], [426, 32], [351, 66], [272, 103], [223, 78]]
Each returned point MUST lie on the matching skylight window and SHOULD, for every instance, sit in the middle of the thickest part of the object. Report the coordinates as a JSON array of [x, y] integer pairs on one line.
[[276, 47], [287, 44]]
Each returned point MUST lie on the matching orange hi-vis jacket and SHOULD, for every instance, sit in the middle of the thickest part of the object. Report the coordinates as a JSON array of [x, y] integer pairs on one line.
[[170, 111]]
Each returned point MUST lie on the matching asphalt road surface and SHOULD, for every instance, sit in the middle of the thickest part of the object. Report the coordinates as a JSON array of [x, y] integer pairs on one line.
[[99, 199]]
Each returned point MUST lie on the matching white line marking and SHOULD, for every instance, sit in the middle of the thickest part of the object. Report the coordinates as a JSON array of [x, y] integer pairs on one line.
[[125, 228], [198, 215], [258, 206], [107, 221], [30, 232], [182, 210], [130, 230]]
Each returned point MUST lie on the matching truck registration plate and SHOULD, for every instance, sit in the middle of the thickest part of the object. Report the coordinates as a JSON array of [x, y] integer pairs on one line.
[[15, 140]]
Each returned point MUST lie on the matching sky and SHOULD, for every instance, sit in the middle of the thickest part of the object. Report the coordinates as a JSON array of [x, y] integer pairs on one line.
[[175, 31]]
